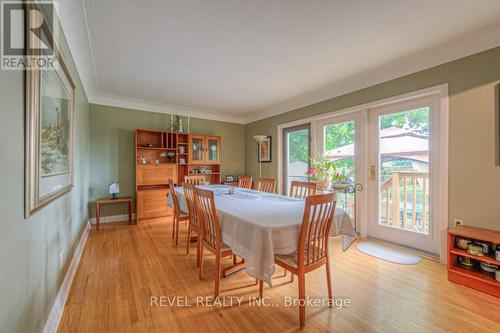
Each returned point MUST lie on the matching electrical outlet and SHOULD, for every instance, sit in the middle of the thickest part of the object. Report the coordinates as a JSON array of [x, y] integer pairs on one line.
[[457, 221], [61, 258]]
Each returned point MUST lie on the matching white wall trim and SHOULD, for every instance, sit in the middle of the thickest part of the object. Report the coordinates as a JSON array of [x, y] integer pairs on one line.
[[141, 105], [56, 312], [112, 218], [454, 49], [444, 129]]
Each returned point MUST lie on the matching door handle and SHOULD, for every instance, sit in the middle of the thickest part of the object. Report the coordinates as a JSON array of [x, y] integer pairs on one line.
[[372, 172]]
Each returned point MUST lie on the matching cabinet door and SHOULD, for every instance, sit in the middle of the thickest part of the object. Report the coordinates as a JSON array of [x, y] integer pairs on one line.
[[155, 174], [212, 151], [197, 149], [151, 203]]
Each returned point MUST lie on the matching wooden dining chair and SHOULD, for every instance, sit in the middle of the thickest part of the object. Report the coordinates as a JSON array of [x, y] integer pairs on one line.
[[312, 251], [245, 182], [266, 185], [178, 216], [301, 190], [194, 226], [210, 232], [195, 179]]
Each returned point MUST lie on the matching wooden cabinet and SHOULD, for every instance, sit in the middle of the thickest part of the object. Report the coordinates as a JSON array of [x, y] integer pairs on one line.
[[204, 149], [162, 156], [155, 174], [472, 275], [151, 203]]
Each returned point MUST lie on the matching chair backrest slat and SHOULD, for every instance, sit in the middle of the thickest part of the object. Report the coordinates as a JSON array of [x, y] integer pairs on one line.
[[177, 210], [245, 182], [206, 213], [301, 190], [316, 223], [189, 195], [266, 185], [195, 179]]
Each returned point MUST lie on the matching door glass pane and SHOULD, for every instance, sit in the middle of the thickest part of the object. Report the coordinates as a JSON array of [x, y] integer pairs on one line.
[[213, 150], [296, 156], [196, 149], [338, 146], [404, 170]]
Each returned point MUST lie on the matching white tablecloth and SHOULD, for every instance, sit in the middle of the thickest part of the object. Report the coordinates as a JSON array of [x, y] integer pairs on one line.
[[258, 225]]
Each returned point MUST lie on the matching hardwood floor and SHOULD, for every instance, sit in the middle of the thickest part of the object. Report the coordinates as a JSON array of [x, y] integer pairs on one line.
[[124, 266]]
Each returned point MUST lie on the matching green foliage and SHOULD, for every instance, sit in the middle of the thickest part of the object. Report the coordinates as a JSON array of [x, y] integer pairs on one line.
[[339, 135], [417, 120], [298, 144]]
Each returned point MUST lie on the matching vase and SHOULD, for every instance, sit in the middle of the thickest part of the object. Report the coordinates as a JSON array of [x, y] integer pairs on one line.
[[322, 184]]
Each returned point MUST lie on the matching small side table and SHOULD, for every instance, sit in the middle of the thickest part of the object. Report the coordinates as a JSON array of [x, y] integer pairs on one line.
[[105, 201]]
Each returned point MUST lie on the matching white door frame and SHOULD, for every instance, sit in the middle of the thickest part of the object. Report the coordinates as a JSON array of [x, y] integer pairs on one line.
[[441, 192]]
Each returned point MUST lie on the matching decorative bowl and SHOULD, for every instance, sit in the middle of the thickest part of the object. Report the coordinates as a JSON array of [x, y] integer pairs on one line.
[[490, 268], [475, 249], [463, 243], [485, 246], [466, 261]]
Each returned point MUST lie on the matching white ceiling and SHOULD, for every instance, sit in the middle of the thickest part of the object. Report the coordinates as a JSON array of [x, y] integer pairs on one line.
[[240, 60]]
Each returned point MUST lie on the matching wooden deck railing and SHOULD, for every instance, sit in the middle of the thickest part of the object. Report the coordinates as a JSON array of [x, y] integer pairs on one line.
[[409, 183]]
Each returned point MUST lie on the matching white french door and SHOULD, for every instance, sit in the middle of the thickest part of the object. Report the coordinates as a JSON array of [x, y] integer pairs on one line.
[[397, 149], [342, 139], [403, 152]]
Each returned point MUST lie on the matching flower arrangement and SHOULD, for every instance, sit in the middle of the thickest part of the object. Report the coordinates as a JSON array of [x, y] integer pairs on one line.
[[323, 171], [320, 170], [341, 177]]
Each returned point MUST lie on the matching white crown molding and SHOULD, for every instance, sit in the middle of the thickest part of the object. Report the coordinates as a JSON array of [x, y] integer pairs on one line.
[[137, 104], [439, 54]]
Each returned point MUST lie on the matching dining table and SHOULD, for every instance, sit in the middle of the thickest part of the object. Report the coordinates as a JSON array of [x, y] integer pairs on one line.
[[258, 225]]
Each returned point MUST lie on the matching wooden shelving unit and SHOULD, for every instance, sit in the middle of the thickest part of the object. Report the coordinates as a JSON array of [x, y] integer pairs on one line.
[[161, 156], [472, 277]]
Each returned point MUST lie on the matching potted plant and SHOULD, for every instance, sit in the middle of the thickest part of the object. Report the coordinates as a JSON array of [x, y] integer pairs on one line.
[[340, 179], [321, 172]]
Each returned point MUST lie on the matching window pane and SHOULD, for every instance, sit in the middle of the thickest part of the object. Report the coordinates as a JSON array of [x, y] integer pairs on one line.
[[404, 170], [339, 147], [297, 155]]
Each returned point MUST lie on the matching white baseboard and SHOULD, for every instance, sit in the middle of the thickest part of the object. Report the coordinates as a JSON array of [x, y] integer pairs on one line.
[[56, 312], [113, 218]]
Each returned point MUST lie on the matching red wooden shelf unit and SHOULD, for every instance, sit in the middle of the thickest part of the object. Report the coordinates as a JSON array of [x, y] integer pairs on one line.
[[472, 277]]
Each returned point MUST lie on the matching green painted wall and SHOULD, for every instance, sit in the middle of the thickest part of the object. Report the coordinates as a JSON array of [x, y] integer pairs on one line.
[[30, 272], [112, 148], [474, 180]]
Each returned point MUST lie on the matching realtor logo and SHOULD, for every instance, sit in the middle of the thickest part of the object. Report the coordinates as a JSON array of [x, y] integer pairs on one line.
[[29, 35]]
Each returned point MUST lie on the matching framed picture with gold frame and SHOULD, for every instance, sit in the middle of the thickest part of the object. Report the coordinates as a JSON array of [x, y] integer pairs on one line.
[[50, 116], [264, 150]]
